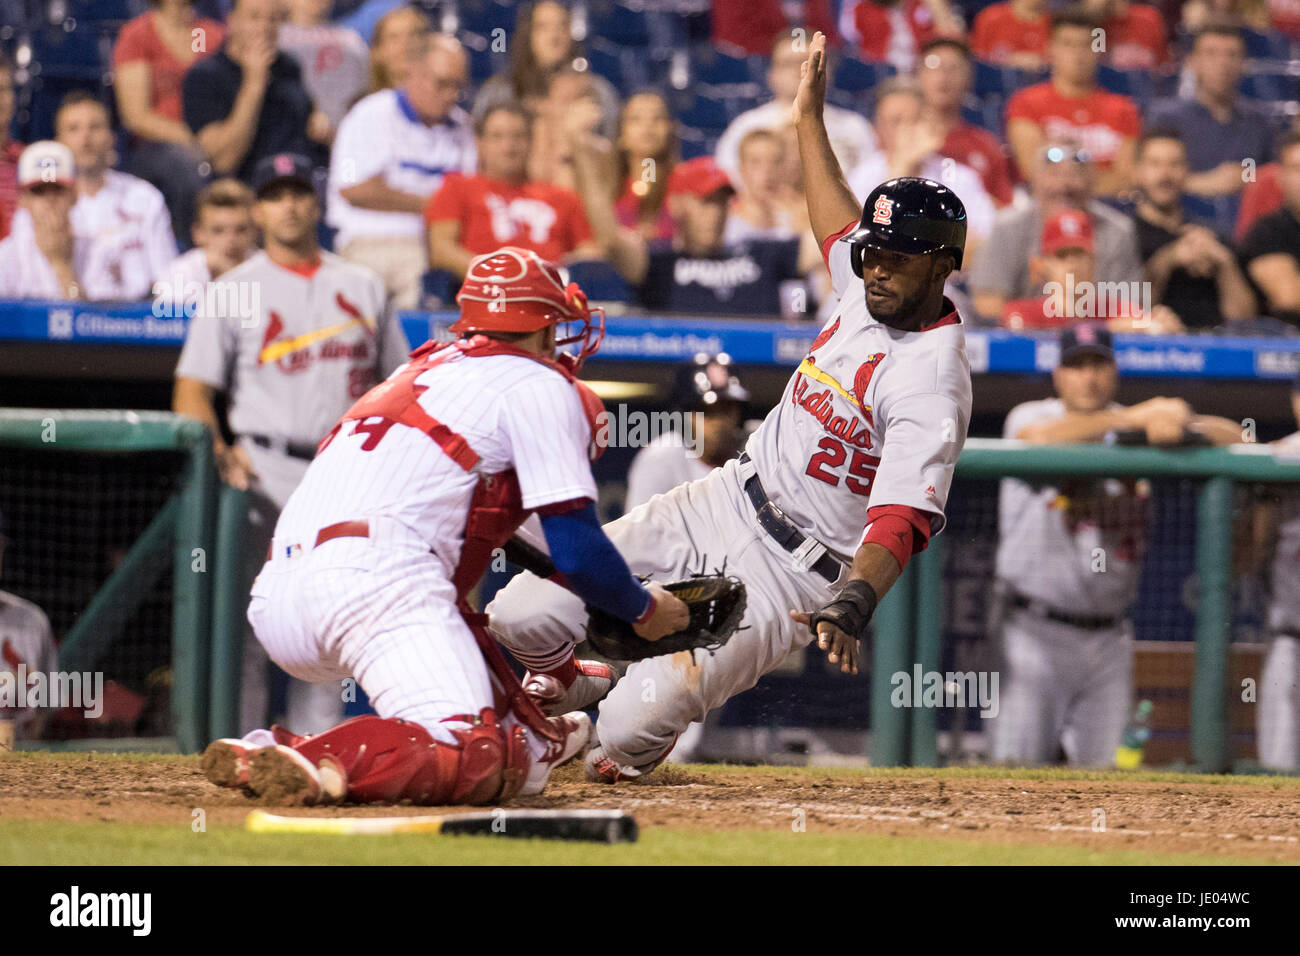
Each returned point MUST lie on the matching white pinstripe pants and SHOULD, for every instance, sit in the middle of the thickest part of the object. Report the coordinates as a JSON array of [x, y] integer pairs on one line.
[[381, 611]]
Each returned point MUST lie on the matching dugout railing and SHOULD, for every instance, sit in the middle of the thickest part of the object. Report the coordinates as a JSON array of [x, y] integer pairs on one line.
[[188, 535], [909, 624], [184, 532]]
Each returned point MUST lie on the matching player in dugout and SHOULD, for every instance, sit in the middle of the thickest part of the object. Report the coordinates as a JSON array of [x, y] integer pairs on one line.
[[1068, 561]]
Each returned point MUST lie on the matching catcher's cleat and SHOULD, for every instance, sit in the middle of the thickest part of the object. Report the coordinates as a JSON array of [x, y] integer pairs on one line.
[[577, 734], [281, 775], [226, 762], [591, 682]]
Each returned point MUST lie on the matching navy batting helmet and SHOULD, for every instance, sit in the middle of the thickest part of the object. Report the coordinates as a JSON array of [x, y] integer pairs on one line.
[[909, 215], [706, 382]]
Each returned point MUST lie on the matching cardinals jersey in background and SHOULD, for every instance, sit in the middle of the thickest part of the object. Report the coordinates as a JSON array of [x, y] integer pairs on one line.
[[281, 365]]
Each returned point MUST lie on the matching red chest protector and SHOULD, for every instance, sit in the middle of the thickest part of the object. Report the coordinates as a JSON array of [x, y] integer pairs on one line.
[[496, 510]]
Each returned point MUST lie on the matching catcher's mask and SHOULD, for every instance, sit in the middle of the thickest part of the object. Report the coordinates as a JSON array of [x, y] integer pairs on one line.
[[516, 290]]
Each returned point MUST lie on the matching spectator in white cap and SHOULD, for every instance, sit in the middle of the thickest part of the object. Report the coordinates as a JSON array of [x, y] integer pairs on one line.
[[46, 256], [44, 261]]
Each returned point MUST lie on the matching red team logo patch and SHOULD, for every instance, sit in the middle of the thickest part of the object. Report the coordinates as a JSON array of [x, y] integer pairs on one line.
[[883, 211], [863, 378]]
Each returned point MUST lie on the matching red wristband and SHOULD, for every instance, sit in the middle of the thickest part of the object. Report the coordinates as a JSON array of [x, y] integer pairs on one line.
[[651, 604]]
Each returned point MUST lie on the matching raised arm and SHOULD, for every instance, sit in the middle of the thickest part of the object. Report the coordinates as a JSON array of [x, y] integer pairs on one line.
[[624, 248], [831, 204]]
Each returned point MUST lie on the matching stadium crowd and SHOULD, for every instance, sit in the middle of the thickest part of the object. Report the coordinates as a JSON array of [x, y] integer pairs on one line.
[[1151, 150]]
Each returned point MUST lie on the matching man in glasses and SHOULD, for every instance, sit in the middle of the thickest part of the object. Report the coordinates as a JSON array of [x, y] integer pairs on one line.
[[391, 153], [1063, 179], [1071, 104]]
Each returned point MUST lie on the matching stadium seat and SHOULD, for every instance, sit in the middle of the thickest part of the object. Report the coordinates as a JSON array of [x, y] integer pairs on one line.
[[858, 76], [484, 16], [705, 114], [82, 54], [600, 281], [985, 113], [440, 286], [483, 63], [15, 19], [1271, 81], [1139, 85], [988, 78], [696, 142], [1270, 45], [606, 62], [97, 11], [719, 69], [618, 24], [1014, 79], [1207, 210]]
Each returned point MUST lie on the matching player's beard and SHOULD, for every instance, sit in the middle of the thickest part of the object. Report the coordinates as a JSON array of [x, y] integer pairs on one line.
[[898, 312]]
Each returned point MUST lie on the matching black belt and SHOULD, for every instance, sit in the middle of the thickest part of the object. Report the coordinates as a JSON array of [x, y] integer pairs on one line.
[[782, 530], [293, 449], [1088, 622]]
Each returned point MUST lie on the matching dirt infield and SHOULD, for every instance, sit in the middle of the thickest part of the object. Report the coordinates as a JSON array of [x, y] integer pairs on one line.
[[1214, 816]]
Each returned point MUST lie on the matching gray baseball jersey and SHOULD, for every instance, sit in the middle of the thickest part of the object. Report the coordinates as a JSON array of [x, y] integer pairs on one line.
[[1075, 544], [25, 639], [1284, 609], [294, 350], [660, 467], [872, 417]]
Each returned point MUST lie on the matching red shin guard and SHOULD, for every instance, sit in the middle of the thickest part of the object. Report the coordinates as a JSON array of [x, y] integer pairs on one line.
[[387, 760]]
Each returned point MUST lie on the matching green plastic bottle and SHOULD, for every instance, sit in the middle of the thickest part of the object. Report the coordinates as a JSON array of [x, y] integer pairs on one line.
[[1128, 756]]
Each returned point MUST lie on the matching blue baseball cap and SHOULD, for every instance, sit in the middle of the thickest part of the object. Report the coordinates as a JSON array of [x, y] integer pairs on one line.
[[1085, 339]]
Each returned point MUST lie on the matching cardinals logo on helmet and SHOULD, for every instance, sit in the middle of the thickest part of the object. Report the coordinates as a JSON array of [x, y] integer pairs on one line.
[[883, 211]]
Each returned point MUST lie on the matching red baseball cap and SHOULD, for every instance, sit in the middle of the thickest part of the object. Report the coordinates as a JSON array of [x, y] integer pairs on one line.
[[1068, 229], [698, 177]]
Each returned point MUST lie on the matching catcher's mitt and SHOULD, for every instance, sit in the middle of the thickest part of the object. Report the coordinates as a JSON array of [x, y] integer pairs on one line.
[[716, 602]]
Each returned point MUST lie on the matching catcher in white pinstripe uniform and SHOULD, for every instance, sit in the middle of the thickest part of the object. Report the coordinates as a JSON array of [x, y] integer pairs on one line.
[[393, 524]]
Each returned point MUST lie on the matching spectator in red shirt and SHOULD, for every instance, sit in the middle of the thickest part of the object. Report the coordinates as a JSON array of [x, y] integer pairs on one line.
[[892, 31], [151, 56], [1066, 269], [9, 150], [748, 26], [1258, 199], [944, 76], [471, 215], [1070, 105], [1136, 38], [1014, 33]]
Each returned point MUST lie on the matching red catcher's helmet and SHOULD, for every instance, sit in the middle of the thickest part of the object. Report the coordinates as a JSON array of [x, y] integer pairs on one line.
[[516, 290]]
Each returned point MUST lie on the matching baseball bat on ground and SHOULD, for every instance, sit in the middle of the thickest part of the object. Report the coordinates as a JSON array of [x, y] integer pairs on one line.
[[593, 826]]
